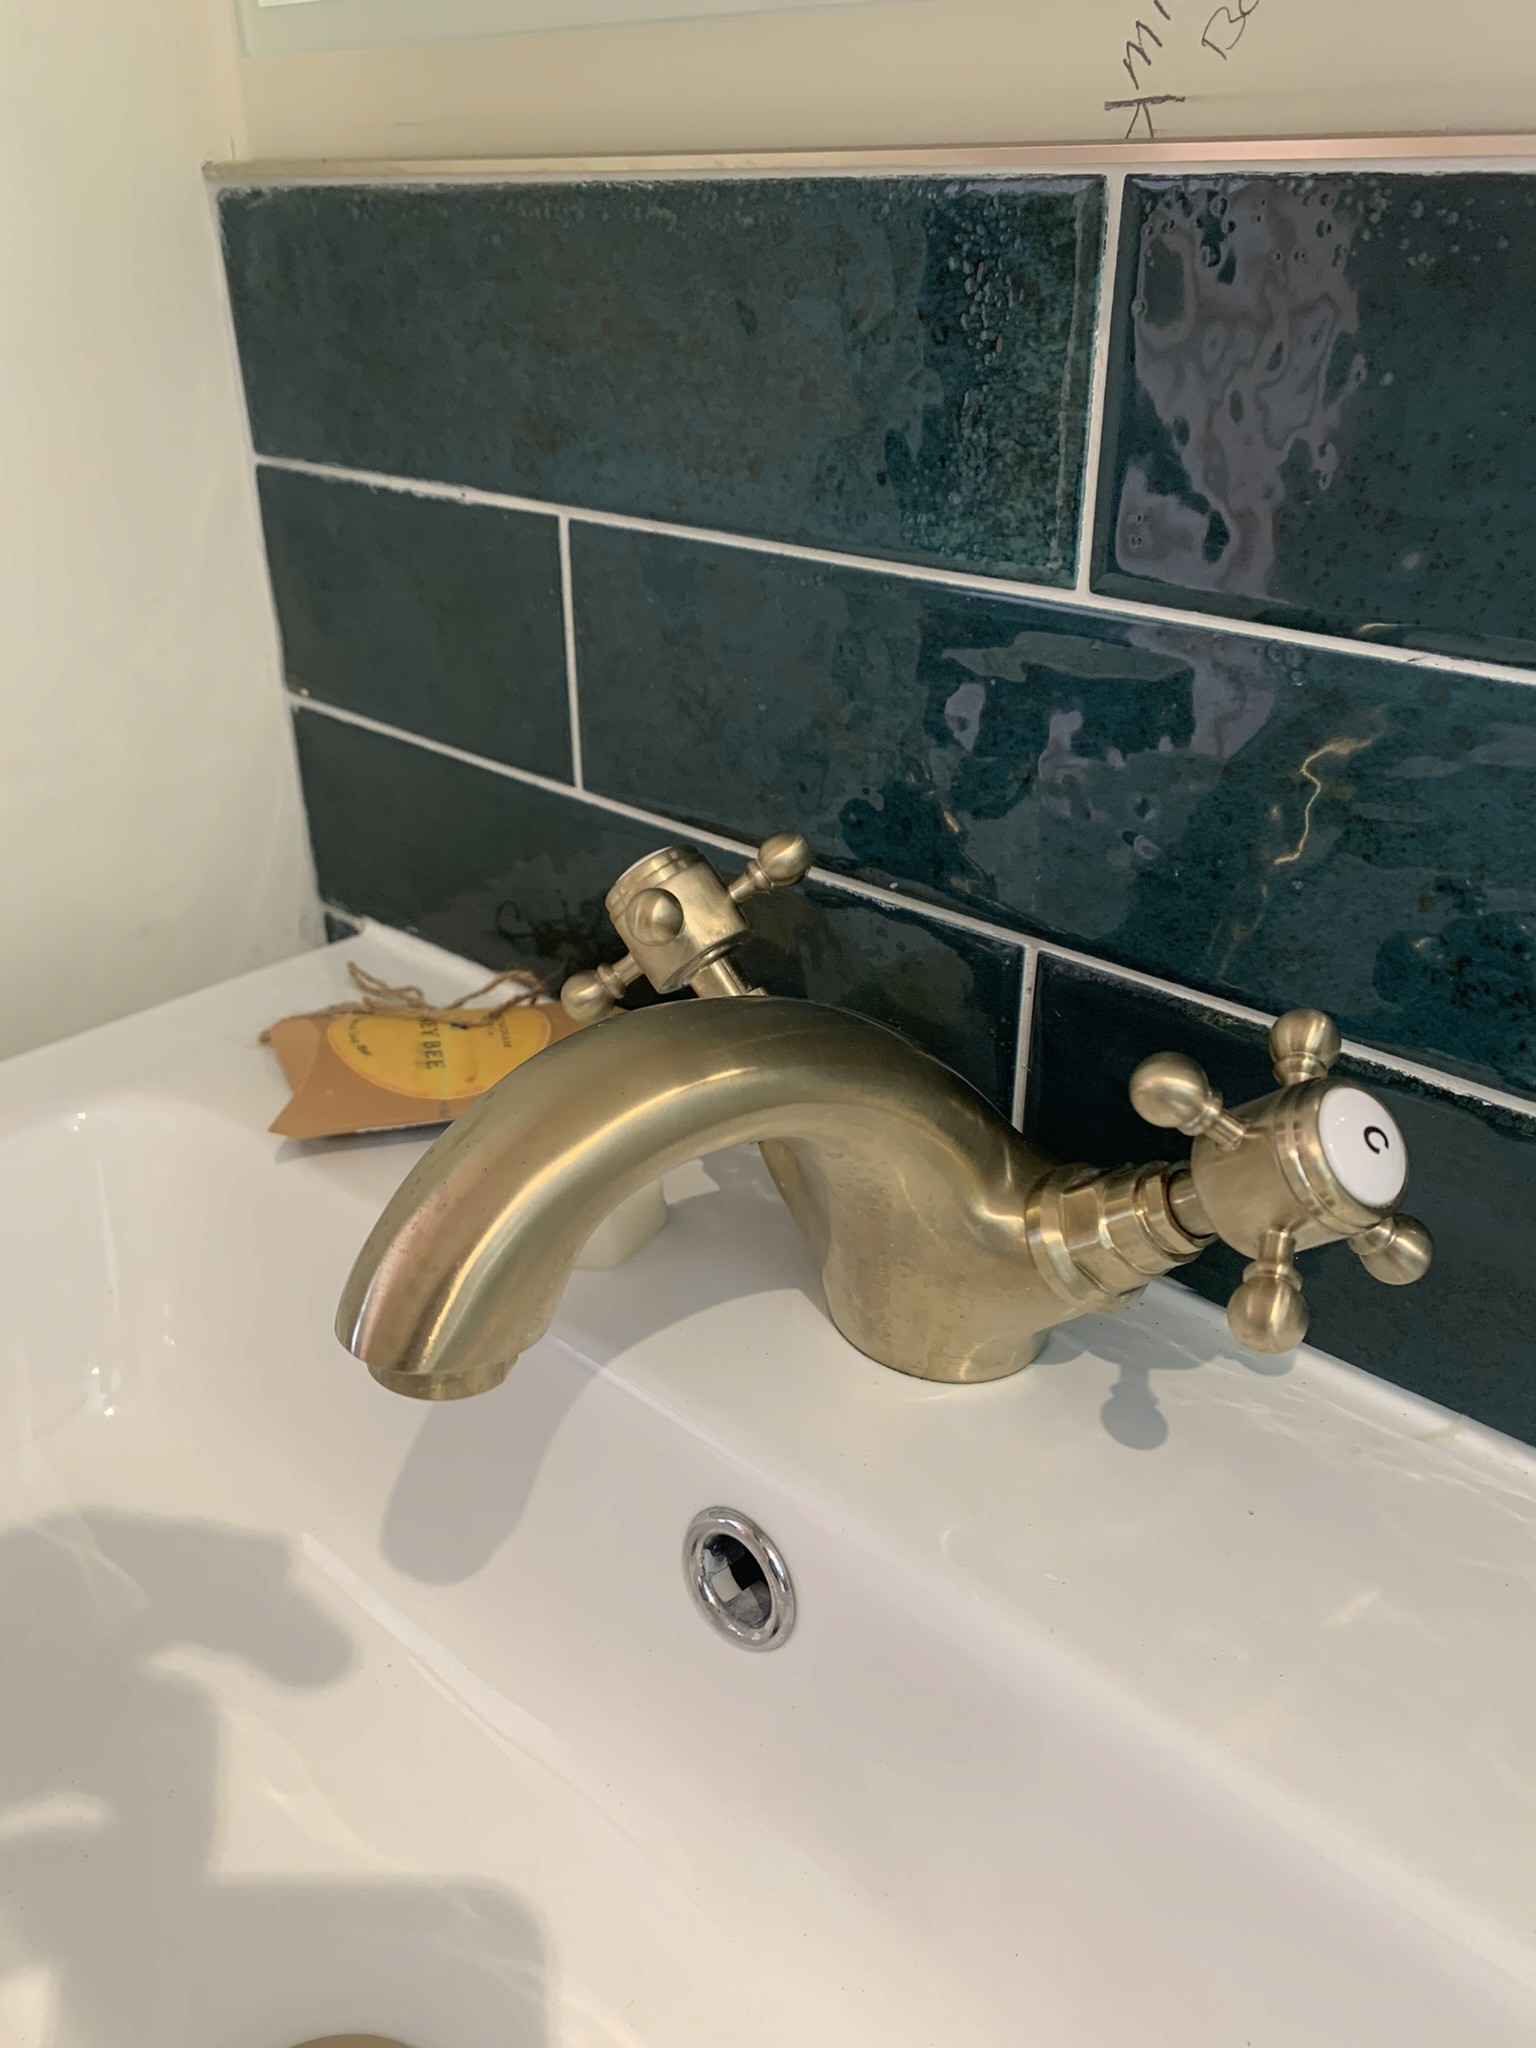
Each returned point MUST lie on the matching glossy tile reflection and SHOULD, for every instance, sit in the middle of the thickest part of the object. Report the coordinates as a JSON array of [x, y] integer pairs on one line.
[[1322, 405], [1273, 823], [1463, 1335], [514, 875], [894, 365]]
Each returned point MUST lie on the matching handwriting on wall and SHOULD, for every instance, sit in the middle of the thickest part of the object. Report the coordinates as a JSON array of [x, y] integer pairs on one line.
[[1161, 52]]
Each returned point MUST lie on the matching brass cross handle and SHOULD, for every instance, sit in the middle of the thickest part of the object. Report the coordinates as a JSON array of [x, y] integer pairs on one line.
[[680, 922], [1316, 1162]]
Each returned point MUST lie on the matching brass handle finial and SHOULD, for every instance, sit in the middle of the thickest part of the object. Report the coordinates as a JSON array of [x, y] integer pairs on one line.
[[1172, 1092], [783, 859], [1268, 1313], [681, 922], [1396, 1251], [1303, 1045], [588, 996]]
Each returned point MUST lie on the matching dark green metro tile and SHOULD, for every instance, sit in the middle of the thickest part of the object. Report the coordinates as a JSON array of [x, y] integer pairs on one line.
[[1465, 1335], [956, 992], [896, 366], [1278, 824], [513, 875], [442, 618], [1322, 405]]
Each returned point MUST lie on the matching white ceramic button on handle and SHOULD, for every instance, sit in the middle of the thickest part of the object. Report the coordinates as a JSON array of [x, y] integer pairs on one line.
[[1364, 1147]]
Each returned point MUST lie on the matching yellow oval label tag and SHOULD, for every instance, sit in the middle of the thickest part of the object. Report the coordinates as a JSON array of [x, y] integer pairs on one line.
[[439, 1057]]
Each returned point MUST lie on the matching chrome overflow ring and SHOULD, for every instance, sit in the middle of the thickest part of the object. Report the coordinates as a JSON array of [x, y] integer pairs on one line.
[[738, 1579]]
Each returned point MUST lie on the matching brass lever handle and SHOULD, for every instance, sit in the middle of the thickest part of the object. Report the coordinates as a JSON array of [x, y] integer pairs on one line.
[[681, 922], [1316, 1162]]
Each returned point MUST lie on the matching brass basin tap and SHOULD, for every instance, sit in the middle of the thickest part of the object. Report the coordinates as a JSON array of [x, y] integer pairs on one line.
[[948, 1246]]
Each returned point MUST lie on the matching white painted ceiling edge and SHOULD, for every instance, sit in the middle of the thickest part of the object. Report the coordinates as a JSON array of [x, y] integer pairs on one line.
[[151, 836], [902, 74]]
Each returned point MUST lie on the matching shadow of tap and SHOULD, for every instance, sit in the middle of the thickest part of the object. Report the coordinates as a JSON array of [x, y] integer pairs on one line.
[[117, 1928], [1140, 1347]]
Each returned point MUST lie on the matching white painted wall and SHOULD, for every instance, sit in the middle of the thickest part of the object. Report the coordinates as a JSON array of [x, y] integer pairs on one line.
[[909, 72], [151, 837]]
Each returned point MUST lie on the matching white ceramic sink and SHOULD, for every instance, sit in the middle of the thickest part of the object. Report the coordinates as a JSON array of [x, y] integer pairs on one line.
[[1147, 1700]]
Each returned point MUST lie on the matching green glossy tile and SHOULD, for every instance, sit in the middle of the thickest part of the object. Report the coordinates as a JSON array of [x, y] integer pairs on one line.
[[513, 875], [1322, 405], [894, 366], [1274, 823], [445, 619], [1465, 1335], [956, 992]]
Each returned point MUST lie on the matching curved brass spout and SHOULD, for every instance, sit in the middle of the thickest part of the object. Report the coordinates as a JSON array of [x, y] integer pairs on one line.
[[947, 1245]]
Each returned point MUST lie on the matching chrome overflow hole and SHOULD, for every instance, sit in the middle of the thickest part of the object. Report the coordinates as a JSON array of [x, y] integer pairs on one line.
[[739, 1582]]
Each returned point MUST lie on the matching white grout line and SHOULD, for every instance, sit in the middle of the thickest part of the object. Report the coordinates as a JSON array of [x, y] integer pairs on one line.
[[1352, 1048], [1098, 378], [568, 614], [1157, 984], [1026, 1028], [1055, 595], [890, 897], [530, 777]]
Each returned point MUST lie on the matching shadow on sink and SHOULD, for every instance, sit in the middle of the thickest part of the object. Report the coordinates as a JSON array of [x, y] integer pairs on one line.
[[1140, 1349], [110, 1817], [484, 1455]]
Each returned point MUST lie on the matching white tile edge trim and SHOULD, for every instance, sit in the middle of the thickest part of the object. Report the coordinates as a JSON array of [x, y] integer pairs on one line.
[[1061, 595], [1283, 153], [1098, 379], [1021, 1049], [891, 898], [568, 620]]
